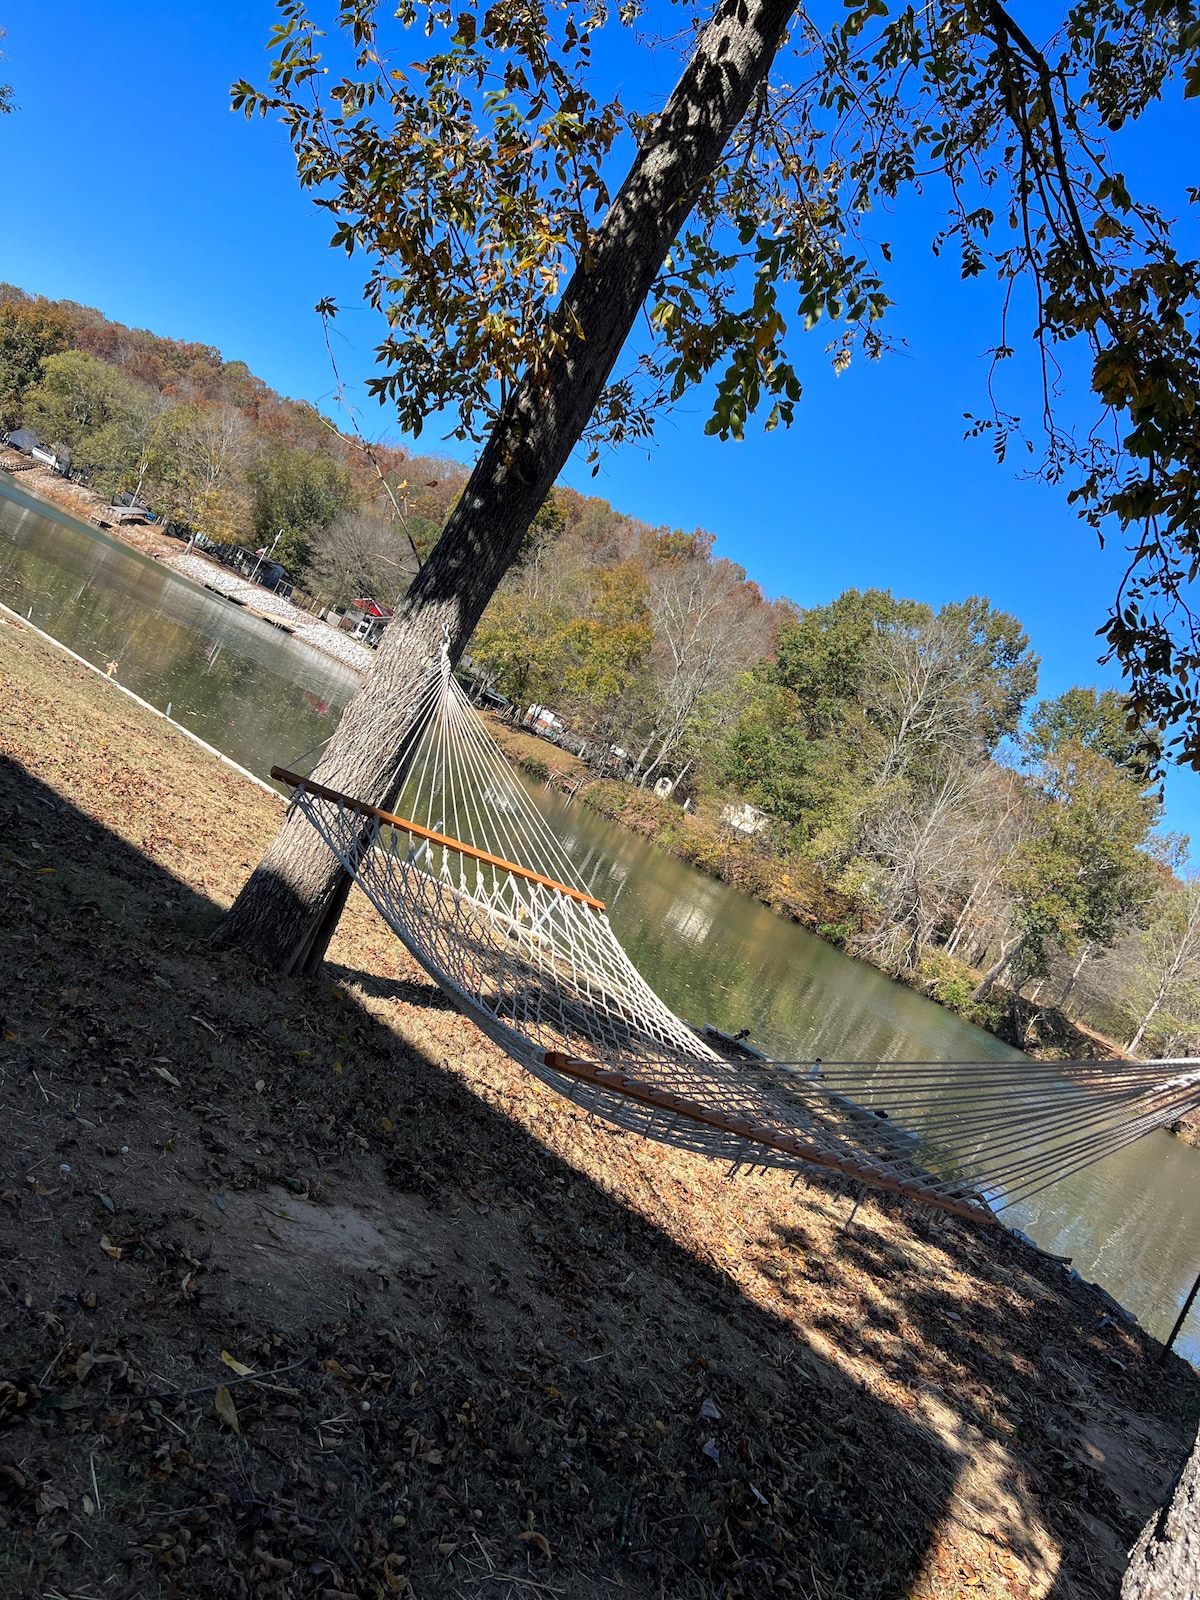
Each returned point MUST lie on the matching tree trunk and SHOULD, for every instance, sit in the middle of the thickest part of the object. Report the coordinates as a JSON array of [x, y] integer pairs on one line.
[[637, 765], [1145, 1023], [288, 909], [1160, 996], [1165, 1563], [1074, 978], [960, 925], [996, 972]]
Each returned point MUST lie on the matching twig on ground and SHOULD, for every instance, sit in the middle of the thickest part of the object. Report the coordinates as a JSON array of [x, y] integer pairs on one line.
[[180, 1394]]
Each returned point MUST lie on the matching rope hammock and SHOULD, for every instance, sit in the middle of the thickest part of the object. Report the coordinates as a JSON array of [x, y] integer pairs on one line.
[[487, 899]]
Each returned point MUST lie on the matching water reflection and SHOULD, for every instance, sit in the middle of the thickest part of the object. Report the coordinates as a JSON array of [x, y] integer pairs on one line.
[[254, 692], [713, 955]]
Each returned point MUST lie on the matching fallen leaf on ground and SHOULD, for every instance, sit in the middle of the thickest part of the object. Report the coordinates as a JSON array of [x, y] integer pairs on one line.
[[226, 1410], [49, 1500], [239, 1367], [113, 1251]]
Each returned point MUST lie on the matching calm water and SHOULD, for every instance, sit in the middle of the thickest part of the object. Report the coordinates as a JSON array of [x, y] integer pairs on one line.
[[251, 690], [1131, 1222]]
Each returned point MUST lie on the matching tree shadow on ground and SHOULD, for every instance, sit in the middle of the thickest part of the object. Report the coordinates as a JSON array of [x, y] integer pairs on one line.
[[492, 1373]]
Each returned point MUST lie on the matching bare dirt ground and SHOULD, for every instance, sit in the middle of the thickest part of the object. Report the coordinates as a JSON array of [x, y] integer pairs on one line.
[[307, 1292]]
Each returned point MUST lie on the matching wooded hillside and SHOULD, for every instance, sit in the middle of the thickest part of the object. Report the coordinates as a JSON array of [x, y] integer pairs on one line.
[[213, 450]]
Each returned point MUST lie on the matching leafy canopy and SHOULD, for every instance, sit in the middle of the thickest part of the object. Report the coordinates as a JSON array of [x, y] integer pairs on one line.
[[474, 179], [469, 152], [578, 645], [297, 494], [30, 330], [1085, 874], [1096, 719], [101, 416]]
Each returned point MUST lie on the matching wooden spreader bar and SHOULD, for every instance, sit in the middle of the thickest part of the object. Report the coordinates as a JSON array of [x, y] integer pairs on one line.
[[662, 1100], [295, 781]]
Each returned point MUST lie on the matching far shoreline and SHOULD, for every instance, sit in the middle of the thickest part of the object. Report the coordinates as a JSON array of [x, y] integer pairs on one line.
[[81, 508]]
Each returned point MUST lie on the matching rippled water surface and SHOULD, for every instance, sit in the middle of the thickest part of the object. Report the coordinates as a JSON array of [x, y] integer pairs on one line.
[[1131, 1222]]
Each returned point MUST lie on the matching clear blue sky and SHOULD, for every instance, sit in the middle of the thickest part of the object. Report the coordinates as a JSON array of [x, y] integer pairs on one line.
[[129, 185]]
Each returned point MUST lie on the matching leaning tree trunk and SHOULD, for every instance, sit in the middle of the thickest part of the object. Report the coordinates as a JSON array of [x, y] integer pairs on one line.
[[1134, 1043], [288, 909], [1165, 1563], [996, 972], [1084, 957]]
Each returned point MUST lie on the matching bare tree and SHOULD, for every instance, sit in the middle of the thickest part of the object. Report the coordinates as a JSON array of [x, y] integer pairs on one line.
[[203, 453], [361, 554], [709, 624], [1167, 983], [947, 684], [924, 844], [984, 914]]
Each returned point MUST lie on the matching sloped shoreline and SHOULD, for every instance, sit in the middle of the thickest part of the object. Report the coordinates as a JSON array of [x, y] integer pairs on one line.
[[82, 506]]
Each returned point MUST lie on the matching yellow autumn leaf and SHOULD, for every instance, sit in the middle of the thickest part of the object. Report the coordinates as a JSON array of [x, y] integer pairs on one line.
[[239, 1367], [226, 1409]]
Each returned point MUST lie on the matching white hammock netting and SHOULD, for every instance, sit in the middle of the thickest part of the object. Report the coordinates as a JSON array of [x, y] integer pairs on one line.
[[485, 896]]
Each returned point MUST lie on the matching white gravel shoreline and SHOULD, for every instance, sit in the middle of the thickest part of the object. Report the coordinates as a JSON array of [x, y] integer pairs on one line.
[[321, 635]]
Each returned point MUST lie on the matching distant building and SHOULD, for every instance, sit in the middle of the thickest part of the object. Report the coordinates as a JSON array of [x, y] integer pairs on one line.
[[745, 819], [28, 443], [270, 574], [492, 699], [542, 720], [373, 620]]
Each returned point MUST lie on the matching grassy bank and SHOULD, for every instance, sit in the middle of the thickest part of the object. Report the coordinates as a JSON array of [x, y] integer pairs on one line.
[[503, 1351], [793, 889]]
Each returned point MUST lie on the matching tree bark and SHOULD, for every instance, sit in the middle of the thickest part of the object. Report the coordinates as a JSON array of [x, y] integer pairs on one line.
[[1134, 1043], [288, 909], [1165, 1563]]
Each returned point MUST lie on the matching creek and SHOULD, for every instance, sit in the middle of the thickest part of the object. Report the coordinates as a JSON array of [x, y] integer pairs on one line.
[[263, 697]]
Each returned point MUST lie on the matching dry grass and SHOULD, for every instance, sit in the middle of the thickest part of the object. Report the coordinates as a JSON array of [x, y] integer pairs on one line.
[[524, 1355]]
